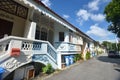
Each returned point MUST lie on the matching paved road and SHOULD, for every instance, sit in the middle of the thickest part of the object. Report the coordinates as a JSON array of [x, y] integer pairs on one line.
[[100, 68]]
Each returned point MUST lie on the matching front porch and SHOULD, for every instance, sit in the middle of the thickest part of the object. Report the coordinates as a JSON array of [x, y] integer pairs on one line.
[[33, 36]]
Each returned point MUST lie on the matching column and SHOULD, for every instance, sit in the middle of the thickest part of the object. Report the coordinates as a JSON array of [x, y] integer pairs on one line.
[[30, 27], [59, 62], [30, 30]]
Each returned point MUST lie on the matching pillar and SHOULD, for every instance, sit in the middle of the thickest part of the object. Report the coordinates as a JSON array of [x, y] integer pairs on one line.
[[30, 30], [59, 62]]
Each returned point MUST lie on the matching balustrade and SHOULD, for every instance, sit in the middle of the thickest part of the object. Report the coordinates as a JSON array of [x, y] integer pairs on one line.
[[20, 51], [65, 46], [31, 46], [51, 52], [4, 46]]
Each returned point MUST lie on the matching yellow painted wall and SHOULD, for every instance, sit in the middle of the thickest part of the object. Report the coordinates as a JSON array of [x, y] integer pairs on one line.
[[18, 27]]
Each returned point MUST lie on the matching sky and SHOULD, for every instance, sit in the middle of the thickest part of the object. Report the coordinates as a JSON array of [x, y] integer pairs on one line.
[[87, 15]]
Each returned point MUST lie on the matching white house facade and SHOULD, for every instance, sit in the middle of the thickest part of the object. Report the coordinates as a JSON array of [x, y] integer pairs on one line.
[[31, 33]]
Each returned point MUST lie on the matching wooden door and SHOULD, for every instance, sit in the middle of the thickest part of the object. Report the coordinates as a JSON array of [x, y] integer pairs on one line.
[[31, 74]]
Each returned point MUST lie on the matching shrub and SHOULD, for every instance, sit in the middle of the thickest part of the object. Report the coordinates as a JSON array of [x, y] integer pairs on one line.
[[100, 52], [77, 57], [48, 69], [88, 55]]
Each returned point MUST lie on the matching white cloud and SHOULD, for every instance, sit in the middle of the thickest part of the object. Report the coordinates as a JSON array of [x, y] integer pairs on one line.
[[95, 30], [109, 40], [84, 15], [66, 16], [93, 6], [46, 2], [88, 13], [97, 17]]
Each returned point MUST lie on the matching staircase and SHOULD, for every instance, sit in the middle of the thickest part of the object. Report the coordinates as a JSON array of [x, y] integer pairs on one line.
[[16, 52]]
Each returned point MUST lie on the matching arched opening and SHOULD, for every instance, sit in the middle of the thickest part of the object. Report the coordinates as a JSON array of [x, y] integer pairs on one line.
[[26, 72], [38, 67]]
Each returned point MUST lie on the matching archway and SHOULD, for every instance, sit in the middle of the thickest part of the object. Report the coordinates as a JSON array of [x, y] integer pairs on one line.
[[27, 71]]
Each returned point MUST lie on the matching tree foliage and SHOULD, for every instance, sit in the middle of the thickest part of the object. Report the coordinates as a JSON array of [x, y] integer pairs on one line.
[[112, 11], [111, 46], [48, 69], [88, 55]]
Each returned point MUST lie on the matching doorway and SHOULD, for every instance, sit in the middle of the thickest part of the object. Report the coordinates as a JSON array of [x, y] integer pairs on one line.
[[5, 27], [31, 73]]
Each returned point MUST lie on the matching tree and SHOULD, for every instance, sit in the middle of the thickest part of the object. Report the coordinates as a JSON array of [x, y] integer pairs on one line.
[[111, 45], [112, 11], [107, 45]]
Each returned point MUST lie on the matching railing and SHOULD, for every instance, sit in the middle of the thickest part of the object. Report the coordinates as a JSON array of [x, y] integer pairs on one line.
[[27, 45], [4, 44], [51, 52], [66, 46], [43, 47], [30, 50], [31, 46]]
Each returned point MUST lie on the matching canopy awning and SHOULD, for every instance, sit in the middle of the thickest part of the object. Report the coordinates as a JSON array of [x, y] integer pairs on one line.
[[47, 13]]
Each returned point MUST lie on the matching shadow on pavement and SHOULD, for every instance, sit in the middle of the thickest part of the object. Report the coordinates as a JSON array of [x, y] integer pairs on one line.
[[109, 60], [115, 61], [117, 70]]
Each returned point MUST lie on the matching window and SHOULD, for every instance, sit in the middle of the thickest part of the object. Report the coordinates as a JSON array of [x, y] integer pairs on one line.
[[70, 37], [61, 36], [37, 34], [43, 35]]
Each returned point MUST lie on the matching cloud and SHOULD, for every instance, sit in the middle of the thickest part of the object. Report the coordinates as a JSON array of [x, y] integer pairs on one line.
[[95, 30], [97, 17], [47, 3], [93, 6], [109, 40], [84, 15], [66, 16], [90, 12]]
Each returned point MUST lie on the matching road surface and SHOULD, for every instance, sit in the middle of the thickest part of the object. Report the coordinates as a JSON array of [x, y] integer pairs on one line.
[[99, 68]]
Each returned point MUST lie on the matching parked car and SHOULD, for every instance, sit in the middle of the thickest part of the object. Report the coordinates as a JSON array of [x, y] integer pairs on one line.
[[113, 54]]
